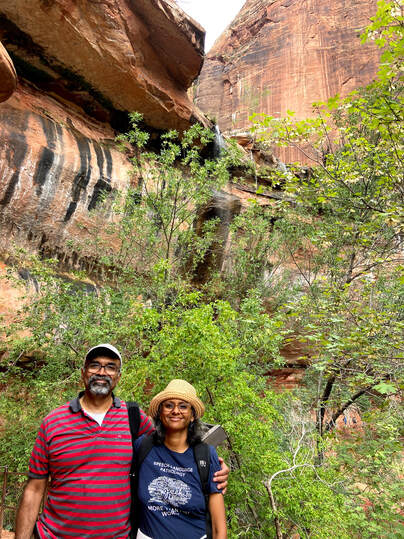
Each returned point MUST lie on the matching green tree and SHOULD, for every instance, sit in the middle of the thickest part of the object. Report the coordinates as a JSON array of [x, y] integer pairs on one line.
[[338, 236], [153, 236], [343, 235]]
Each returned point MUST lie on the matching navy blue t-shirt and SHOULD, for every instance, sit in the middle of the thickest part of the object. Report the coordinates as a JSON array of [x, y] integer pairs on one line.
[[170, 493]]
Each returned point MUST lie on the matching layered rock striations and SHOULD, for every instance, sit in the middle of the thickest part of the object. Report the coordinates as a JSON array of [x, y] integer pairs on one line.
[[281, 55], [54, 165], [82, 66]]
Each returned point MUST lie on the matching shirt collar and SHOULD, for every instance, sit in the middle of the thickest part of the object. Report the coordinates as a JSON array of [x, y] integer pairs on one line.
[[75, 405]]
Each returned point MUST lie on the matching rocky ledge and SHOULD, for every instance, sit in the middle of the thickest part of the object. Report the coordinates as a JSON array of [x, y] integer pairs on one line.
[[82, 66]]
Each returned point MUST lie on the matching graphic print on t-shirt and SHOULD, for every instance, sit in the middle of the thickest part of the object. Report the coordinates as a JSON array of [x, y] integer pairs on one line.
[[169, 490]]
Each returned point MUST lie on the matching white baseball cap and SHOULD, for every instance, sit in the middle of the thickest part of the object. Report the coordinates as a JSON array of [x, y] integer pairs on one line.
[[105, 349]]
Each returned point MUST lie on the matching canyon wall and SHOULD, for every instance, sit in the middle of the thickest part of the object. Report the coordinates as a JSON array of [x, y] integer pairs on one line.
[[54, 164], [82, 67], [280, 55]]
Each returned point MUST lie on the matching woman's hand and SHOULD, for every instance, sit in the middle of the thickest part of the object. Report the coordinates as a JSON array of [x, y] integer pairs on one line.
[[221, 476]]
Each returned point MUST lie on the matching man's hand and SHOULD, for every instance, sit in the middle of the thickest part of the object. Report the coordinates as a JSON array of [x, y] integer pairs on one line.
[[220, 477], [29, 508]]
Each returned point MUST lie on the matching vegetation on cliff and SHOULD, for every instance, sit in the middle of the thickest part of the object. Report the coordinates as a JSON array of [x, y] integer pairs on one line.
[[321, 266]]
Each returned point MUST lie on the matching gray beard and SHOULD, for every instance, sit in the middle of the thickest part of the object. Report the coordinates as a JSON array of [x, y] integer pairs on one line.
[[99, 389]]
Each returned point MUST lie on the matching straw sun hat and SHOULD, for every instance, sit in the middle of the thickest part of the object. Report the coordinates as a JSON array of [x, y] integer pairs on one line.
[[178, 389]]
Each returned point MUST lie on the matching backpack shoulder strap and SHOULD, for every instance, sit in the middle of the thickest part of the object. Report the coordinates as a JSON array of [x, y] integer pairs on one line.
[[202, 458], [144, 449], [134, 419]]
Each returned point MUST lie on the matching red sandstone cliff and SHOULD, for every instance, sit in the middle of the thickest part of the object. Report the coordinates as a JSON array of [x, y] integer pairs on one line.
[[285, 54], [54, 163], [110, 57], [82, 66]]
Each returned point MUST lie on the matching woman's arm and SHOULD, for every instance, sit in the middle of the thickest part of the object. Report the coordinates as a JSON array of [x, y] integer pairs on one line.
[[217, 513]]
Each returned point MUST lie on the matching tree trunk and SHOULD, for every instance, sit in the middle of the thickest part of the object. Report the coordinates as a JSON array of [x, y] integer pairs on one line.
[[278, 530]]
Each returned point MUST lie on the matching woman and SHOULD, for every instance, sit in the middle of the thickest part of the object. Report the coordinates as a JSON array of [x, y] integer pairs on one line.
[[170, 497]]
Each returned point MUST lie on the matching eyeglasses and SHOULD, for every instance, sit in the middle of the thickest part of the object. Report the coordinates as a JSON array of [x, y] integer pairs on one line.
[[182, 406], [109, 368]]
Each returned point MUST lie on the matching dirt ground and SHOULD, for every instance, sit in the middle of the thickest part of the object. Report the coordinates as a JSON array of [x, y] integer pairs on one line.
[[6, 535]]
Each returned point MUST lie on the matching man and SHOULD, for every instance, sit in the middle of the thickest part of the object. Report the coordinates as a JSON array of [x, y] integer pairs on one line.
[[85, 447]]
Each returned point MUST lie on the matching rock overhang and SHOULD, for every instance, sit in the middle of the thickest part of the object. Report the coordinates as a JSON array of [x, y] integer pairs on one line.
[[109, 57]]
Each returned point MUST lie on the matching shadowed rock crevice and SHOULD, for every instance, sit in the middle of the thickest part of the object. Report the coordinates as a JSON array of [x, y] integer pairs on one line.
[[223, 207]]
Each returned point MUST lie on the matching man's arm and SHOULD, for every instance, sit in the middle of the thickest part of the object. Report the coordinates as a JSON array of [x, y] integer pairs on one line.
[[220, 477], [146, 424], [29, 508]]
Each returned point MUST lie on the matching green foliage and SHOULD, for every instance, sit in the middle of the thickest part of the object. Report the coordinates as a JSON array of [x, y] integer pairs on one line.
[[373, 461], [343, 236], [154, 239], [341, 242], [319, 267], [208, 344], [387, 32]]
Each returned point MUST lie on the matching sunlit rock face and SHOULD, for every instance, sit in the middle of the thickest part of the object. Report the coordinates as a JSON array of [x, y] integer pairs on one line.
[[281, 55], [8, 76]]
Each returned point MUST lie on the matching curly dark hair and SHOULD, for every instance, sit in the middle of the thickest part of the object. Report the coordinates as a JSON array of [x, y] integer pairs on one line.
[[194, 430]]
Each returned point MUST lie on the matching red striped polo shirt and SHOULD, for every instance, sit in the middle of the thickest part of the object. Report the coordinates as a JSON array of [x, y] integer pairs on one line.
[[88, 464]]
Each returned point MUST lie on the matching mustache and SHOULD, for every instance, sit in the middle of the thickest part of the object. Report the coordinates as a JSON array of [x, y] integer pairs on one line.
[[95, 378]]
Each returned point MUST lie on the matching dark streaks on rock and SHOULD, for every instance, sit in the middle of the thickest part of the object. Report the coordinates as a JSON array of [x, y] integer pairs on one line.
[[100, 158], [16, 151], [99, 188], [82, 179], [70, 210], [53, 132], [8, 195], [108, 158], [43, 168], [103, 184], [49, 129]]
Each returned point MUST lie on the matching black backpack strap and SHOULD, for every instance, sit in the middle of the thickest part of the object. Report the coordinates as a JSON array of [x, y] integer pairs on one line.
[[144, 449], [202, 458], [134, 419]]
